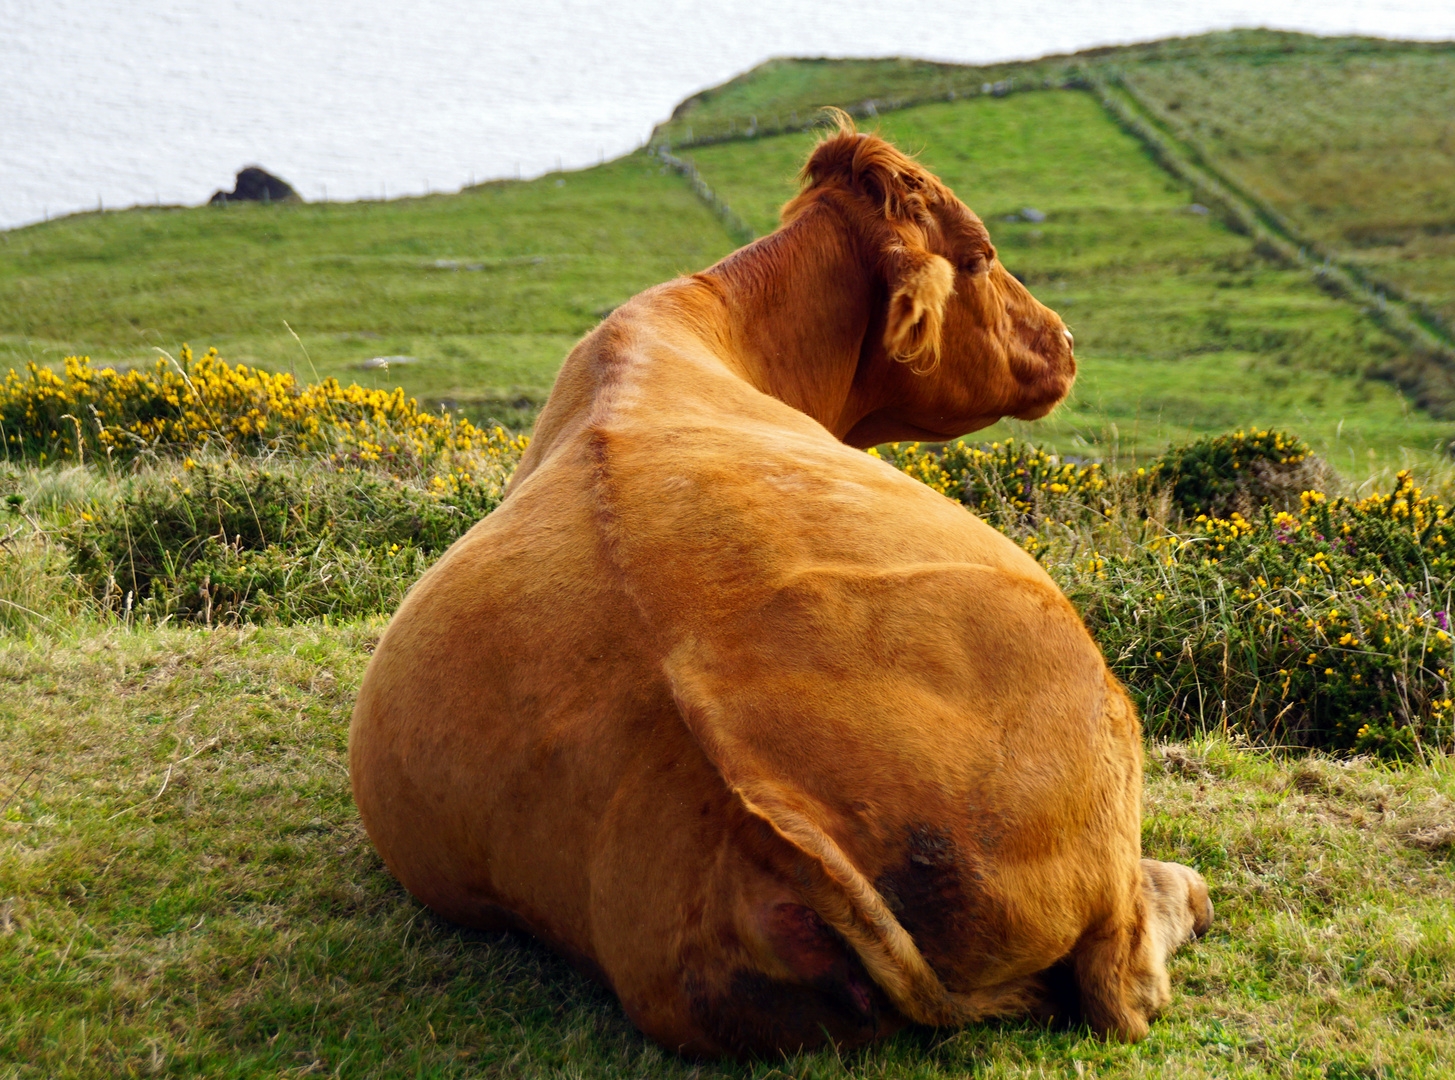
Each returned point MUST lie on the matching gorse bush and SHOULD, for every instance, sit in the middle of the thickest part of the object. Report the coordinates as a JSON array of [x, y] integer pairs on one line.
[[1011, 484], [1226, 598], [1328, 626], [1239, 472], [181, 407], [310, 500]]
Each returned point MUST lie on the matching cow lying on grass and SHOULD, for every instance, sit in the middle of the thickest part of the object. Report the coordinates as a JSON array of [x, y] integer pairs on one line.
[[774, 740]]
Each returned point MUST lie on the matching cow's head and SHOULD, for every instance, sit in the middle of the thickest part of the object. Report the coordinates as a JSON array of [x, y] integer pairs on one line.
[[959, 341]]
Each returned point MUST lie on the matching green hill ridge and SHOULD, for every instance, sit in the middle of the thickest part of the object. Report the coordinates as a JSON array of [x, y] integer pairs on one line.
[[1316, 294]]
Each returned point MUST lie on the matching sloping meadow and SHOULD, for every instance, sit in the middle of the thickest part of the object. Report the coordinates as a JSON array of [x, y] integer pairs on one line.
[[1185, 329], [471, 298], [1318, 143]]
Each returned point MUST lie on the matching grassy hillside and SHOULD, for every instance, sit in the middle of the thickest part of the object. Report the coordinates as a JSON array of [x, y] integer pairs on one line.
[[1182, 328], [486, 290], [1357, 153], [1353, 131], [785, 91]]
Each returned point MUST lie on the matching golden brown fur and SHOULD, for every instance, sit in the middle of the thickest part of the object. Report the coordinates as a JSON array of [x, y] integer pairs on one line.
[[771, 738]]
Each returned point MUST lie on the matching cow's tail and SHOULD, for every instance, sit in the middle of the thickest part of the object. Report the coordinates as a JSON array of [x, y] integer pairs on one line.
[[848, 902], [829, 882]]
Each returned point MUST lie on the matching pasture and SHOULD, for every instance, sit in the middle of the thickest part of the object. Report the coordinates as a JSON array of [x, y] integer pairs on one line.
[[483, 292], [184, 886], [1182, 329], [1318, 143], [185, 890]]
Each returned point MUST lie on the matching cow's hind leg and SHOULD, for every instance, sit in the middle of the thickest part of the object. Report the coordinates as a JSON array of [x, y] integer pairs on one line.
[[1178, 904], [1121, 964]]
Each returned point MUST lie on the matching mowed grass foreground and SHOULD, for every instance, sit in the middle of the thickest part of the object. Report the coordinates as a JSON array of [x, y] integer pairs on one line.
[[185, 890]]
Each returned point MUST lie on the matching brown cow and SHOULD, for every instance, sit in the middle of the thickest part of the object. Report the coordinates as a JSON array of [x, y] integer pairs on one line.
[[771, 738]]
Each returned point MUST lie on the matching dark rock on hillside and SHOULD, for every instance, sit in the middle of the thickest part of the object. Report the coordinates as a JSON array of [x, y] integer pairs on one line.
[[257, 185]]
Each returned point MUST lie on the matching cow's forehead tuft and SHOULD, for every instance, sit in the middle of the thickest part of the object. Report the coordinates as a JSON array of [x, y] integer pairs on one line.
[[961, 225]]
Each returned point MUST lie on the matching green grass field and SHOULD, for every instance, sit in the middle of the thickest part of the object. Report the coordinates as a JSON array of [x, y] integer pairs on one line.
[[486, 290], [1182, 328], [1358, 154], [185, 889]]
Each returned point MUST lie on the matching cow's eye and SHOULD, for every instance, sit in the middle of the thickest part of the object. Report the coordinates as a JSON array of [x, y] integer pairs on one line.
[[974, 264]]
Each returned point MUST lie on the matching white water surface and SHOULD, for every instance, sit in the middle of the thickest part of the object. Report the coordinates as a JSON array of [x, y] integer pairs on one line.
[[121, 102]]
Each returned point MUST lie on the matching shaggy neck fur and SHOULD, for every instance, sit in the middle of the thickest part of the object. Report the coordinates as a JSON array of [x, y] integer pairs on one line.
[[801, 306]]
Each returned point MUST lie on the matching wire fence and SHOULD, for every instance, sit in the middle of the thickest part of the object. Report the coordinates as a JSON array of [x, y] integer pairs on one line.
[[736, 226], [753, 126]]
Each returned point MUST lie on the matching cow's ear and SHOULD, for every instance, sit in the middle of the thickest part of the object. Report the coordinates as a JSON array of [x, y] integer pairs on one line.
[[903, 196], [920, 283]]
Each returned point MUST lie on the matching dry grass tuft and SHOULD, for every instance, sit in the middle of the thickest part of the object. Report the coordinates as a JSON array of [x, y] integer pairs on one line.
[[1176, 759], [1433, 838]]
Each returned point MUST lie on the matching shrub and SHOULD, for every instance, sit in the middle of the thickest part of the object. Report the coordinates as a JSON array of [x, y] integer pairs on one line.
[[254, 532], [1328, 626], [1011, 484], [180, 407], [1278, 614], [243, 540], [1239, 473]]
